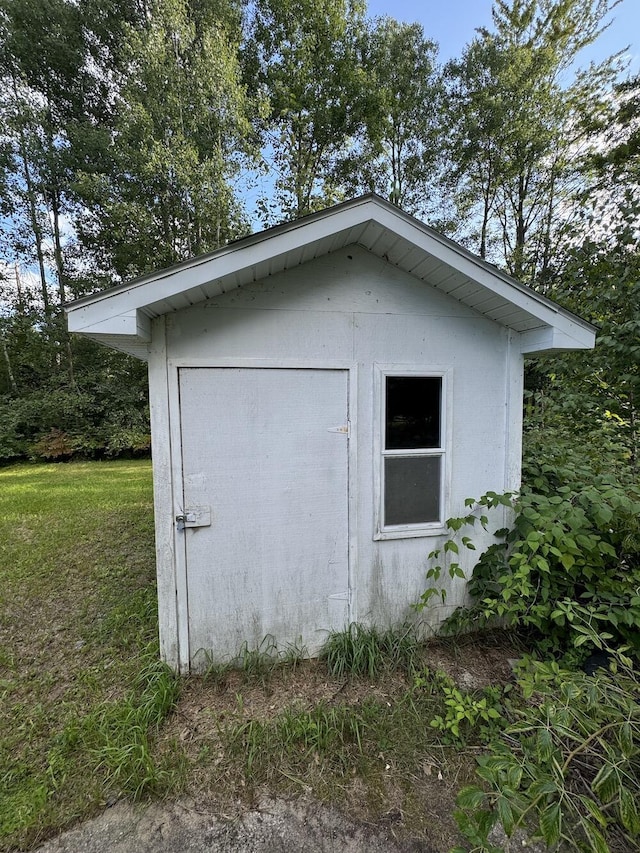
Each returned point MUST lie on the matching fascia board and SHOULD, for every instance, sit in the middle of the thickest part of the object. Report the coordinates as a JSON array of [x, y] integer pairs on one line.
[[133, 323], [254, 250], [545, 339], [494, 281]]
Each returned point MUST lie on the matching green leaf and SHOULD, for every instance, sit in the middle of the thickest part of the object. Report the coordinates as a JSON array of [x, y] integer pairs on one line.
[[598, 843], [544, 744], [625, 737], [551, 824], [505, 814], [593, 810], [629, 812], [470, 797], [544, 786], [606, 784]]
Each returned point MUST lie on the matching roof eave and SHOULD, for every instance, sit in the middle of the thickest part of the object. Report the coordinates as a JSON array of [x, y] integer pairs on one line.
[[126, 309]]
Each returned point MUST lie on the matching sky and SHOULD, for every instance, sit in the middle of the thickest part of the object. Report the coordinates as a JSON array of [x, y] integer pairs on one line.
[[452, 23]]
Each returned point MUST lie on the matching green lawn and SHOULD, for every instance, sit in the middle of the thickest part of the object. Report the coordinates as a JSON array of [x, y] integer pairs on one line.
[[85, 703], [78, 650]]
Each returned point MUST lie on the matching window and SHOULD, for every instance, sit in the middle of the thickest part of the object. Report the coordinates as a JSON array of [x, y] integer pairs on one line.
[[412, 453]]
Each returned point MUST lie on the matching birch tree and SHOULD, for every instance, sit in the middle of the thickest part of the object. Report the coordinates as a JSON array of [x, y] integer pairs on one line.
[[163, 191], [520, 120], [301, 57], [396, 151]]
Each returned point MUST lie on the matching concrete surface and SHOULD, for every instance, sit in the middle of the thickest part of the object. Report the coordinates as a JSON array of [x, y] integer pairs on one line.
[[273, 827]]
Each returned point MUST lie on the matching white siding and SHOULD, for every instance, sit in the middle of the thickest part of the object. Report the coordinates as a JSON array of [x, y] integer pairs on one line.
[[352, 307]]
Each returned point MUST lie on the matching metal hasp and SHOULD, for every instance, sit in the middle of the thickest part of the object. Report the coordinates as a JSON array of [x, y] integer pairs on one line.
[[197, 516]]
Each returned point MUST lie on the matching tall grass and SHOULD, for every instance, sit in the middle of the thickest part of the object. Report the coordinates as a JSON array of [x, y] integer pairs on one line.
[[367, 651]]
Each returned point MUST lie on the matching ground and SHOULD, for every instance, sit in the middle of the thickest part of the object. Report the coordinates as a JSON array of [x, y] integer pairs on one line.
[[221, 815], [84, 727]]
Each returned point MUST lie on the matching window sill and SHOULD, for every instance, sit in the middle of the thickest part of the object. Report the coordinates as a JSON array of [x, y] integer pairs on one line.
[[411, 532]]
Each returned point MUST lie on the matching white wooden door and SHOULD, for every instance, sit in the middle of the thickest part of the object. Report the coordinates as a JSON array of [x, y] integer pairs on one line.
[[267, 450]]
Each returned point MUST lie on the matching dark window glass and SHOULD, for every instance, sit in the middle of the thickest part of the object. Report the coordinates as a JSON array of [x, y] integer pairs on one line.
[[411, 489], [412, 412]]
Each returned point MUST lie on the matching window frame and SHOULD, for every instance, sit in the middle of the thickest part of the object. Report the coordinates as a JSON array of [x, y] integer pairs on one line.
[[432, 528]]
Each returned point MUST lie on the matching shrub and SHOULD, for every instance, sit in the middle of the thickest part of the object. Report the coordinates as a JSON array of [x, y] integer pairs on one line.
[[568, 771], [569, 564]]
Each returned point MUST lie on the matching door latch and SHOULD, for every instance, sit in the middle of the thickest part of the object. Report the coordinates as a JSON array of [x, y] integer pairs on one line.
[[197, 516]]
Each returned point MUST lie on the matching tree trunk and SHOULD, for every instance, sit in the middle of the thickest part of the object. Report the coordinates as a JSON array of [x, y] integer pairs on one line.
[[32, 207], [7, 360]]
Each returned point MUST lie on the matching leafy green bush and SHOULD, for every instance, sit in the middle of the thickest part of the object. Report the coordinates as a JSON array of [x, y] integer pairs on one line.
[[570, 560], [567, 771]]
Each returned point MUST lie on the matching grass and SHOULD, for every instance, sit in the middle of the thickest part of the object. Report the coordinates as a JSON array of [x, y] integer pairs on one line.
[[366, 651], [81, 686], [88, 714]]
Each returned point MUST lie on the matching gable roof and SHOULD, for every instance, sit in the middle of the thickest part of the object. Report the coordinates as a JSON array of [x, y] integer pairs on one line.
[[120, 317]]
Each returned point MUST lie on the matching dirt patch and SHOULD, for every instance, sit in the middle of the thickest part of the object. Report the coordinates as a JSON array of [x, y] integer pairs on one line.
[[472, 664], [413, 801]]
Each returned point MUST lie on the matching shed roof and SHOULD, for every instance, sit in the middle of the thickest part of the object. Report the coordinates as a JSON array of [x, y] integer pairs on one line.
[[120, 317]]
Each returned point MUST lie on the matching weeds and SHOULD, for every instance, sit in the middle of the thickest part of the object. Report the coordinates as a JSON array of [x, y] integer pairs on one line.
[[468, 716], [297, 737], [257, 665], [568, 771], [116, 734], [368, 651]]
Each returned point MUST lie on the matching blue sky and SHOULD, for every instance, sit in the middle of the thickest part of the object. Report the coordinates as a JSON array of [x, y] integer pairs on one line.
[[452, 23]]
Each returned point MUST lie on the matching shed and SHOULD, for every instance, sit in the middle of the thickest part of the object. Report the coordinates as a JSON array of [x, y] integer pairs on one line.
[[324, 395]]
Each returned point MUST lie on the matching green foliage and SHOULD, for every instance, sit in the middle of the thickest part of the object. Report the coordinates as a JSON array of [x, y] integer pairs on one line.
[[596, 394], [116, 735], [302, 56], [257, 665], [396, 151], [159, 190], [103, 413], [515, 127], [367, 651], [568, 770], [467, 716], [569, 563]]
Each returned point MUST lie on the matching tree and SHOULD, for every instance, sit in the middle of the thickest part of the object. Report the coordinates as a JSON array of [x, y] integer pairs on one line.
[[517, 131], [301, 57], [162, 191], [57, 71], [396, 152]]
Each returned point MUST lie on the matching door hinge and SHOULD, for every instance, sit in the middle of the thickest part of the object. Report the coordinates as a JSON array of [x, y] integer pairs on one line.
[[344, 430]]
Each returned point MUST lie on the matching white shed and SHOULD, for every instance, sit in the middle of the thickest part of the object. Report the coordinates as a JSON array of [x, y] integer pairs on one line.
[[324, 395]]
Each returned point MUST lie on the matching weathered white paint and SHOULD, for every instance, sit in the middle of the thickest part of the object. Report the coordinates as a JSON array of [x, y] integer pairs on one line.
[[298, 325], [268, 448], [352, 309], [369, 222], [163, 500]]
